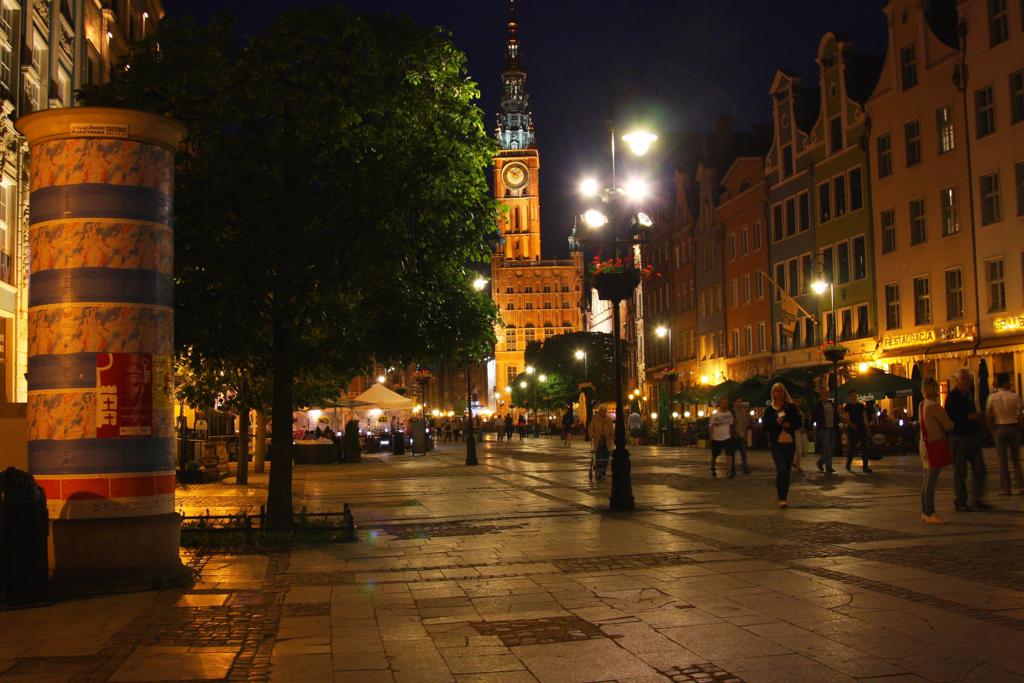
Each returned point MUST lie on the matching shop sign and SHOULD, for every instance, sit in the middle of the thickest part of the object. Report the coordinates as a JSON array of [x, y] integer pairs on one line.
[[1008, 324], [109, 130], [950, 333]]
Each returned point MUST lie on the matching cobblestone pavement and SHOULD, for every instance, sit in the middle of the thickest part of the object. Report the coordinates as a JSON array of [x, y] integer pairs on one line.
[[514, 571]]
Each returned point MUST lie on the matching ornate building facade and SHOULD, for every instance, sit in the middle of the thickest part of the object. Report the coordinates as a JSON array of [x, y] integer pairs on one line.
[[537, 298]]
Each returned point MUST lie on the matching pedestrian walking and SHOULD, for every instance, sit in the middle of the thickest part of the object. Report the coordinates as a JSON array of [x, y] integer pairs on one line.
[[499, 427], [825, 418], [567, 422], [722, 430], [635, 423], [934, 448], [522, 427], [742, 422], [1003, 412], [781, 420], [857, 433], [602, 436], [962, 410], [508, 427]]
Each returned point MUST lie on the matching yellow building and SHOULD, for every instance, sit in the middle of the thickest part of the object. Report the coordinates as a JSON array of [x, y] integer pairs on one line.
[[537, 298]]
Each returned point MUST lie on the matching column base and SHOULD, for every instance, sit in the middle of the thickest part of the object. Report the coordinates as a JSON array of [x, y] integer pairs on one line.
[[116, 555]]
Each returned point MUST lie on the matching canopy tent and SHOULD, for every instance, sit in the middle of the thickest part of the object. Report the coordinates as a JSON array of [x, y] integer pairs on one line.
[[379, 396], [874, 386], [757, 390], [726, 388]]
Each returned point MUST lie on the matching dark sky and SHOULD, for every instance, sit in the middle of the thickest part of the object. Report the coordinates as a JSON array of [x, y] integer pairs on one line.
[[707, 57]]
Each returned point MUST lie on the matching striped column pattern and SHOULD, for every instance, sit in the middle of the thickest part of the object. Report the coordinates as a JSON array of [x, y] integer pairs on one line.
[[101, 320]]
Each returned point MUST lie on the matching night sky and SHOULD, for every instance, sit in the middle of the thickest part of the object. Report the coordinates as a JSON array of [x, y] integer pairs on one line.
[[707, 58]]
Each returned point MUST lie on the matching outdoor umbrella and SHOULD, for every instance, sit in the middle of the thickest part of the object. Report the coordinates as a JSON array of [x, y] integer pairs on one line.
[[726, 388], [983, 390], [875, 386], [757, 391]]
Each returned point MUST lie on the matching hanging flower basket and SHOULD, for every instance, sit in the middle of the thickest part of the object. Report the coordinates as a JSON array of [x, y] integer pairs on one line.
[[615, 286], [423, 376], [835, 353]]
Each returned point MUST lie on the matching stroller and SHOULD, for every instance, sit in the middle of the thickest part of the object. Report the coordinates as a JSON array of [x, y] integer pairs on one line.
[[599, 461]]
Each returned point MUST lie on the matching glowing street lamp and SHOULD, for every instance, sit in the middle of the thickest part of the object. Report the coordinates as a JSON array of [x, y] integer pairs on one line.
[[589, 187], [479, 283], [639, 141], [594, 218], [636, 189]]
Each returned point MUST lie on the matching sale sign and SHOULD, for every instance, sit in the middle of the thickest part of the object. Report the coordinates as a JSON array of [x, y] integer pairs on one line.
[[124, 395]]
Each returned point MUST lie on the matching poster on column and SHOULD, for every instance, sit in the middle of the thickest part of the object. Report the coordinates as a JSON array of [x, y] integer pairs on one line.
[[124, 395]]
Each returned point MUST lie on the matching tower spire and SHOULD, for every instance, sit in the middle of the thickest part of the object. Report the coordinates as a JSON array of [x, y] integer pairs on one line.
[[515, 124]]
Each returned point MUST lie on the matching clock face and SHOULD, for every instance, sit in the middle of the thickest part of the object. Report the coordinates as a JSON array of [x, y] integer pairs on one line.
[[515, 175]]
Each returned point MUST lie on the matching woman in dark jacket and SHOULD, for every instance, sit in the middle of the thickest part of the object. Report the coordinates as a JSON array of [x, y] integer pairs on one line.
[[781, 420]]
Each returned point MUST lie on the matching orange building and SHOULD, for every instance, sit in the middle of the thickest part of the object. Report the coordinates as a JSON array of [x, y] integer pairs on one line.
[[537, 299], [748, 311]]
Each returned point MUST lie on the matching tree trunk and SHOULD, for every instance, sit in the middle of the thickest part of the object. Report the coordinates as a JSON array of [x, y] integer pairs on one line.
[[242, 469], [261, 441], [279, 496]]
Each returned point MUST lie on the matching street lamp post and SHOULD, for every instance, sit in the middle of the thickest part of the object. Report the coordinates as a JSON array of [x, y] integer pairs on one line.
[[479, 283], [663, 332], [819, 286], [619, 286], [582, 355]]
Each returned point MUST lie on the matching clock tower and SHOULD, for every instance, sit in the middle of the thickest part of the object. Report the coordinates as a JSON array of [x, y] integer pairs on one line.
[[537, 299], [517, 166]]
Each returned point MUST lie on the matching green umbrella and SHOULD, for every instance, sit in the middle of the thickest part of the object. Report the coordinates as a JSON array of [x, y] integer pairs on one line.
[[726, 388], [757, 391], [877, 385]]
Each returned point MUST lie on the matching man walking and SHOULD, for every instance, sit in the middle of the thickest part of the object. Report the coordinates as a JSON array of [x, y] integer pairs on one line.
[[742, 420], [963, 411], [857, 433], [825, 418], [1003, 412], [635, 424]]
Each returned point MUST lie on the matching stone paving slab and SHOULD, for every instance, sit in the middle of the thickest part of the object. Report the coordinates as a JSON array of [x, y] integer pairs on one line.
[[514, 571]]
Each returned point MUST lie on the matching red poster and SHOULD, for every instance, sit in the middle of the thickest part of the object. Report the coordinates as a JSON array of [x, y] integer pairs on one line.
[[124, 395]]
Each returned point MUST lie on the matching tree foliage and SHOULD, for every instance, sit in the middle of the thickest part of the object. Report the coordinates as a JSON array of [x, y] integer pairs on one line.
[[329, 200], [556, 359]]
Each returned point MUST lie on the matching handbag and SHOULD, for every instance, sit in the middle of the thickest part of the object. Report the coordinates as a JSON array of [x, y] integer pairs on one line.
[[936, 452]]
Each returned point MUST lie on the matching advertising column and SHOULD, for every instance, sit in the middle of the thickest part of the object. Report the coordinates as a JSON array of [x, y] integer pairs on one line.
[[101, 323]]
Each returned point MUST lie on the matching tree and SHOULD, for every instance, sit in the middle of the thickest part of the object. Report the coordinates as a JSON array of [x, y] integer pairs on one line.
[[332, 193]]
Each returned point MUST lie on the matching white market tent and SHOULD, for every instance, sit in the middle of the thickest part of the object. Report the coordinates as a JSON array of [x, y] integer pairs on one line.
[[379, 396]]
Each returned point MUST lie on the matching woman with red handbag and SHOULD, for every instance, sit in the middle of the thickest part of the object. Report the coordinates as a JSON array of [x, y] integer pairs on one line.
[[934, 448]]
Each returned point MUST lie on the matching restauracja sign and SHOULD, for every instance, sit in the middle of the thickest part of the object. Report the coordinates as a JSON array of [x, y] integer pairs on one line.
[[939, 334]]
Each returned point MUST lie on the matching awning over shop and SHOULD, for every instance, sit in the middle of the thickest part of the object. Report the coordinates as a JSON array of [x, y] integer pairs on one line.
[[1009, 342], [950, 347], [379, 396]]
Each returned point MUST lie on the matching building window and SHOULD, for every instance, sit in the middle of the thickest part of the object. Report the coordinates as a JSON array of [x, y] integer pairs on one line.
[[777, 222], [759, 284], [888, 222], [830, 326], [835, 134], [718, 298], [547, 289], [757, 235], [782, 339], [826, 263], [839, 192], [1017, 94], [748, 340], [846, 319], [529, 306], [731, 246], [762, 338], [998, 22], [995, 278], [991, 211], [892, 307], [528, 290], [510, 306], [954, 294], [824, 204], [944, 128], [735, 340], [1018, 175], [918, 233], [787, 161], [5, 66], [734, 292], [780, 280], [912, 132], [860, 258], [805, 271], [510, 290], [922, 301], [884, 152], [7, 22], [790, 217], [794, 277], [565, 288], [746, 288], [856, 190], [744, 241], [908, 67], [64, 88], [804, 200], [511, 340], [863, 328], [985, 111], [511, 372], [843, 258], [950, 220]]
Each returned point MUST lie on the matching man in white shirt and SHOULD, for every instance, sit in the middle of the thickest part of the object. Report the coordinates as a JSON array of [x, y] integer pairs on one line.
[[1003, 413], [635, 424]]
